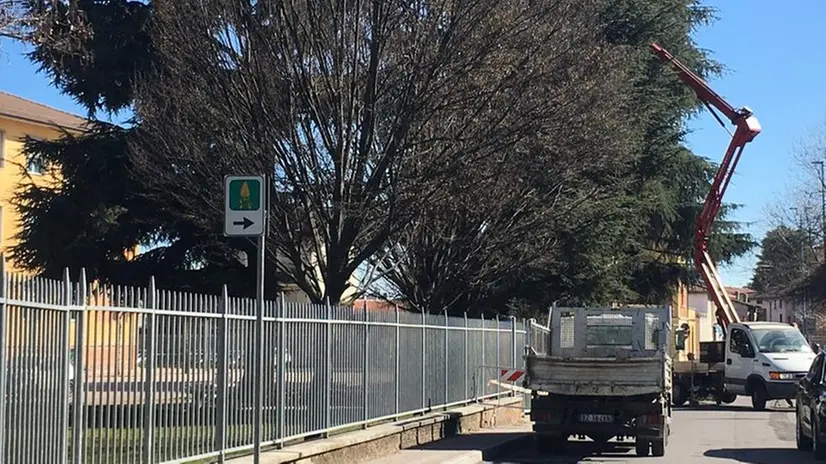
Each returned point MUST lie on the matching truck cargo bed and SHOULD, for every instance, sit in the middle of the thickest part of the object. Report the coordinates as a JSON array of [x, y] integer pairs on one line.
[[598, 376]]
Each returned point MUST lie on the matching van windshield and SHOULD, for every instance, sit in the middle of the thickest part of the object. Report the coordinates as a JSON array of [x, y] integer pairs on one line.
[[780, 340]]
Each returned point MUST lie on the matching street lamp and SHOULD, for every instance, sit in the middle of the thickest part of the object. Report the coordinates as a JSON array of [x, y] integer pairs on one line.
[[802, 264]]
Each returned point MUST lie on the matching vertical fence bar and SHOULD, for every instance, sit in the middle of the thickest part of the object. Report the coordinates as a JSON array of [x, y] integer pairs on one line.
[[529, 332], [447, 330], [223, 373], [147, 454], [498, 359], [364, 376], [478, 371], [4, 282], [513, 351], [467, 355], [282, 394], [328, 368], [398, 356], [424, 362], [79, 388], [63, 386]]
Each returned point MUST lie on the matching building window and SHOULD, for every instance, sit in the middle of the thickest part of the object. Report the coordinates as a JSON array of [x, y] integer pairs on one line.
[[35, 165], [781, 317], [2, 149]]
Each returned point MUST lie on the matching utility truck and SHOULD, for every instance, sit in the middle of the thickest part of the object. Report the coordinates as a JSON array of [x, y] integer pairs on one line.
[[714, 375], [604, 373]]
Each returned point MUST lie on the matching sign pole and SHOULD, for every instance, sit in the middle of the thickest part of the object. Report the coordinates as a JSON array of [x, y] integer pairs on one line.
[[245, 215], [259, 326], [259, 344]]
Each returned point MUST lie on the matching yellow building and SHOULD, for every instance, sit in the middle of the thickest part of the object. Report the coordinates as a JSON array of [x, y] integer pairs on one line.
[[108, 332], [19, 118]]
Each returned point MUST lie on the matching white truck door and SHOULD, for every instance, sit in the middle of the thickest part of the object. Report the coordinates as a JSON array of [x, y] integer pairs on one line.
[[739, 357]]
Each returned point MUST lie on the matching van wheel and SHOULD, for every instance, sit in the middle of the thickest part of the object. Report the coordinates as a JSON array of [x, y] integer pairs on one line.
[[758, 397], [678, 395], [728, 398], [642, 446]]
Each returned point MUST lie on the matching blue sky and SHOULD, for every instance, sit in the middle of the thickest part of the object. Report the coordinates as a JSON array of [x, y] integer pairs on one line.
[[775, 66]]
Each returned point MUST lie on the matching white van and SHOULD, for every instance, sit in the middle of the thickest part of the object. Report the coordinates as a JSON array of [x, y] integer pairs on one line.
[[765, 360]]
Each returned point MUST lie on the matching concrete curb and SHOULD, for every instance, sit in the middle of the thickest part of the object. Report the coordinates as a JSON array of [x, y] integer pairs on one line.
[[492, 452], [386, 439]]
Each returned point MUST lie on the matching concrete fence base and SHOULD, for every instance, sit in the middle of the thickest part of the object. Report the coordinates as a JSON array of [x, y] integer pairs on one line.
[[384, 440]]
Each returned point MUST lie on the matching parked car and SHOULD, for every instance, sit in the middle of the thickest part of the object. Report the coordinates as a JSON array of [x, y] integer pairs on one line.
[[810, 413]]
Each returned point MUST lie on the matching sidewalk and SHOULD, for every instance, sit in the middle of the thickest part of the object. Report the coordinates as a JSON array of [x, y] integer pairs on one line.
[[472, 448]]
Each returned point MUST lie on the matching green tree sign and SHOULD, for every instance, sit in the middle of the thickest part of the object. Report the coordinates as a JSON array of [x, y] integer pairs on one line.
[[244, 195]]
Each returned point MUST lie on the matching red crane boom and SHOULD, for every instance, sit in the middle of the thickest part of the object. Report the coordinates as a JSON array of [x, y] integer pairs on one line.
[[747, 128]]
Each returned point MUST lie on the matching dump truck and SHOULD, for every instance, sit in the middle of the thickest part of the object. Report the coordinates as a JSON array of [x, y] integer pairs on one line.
[[601, 373]]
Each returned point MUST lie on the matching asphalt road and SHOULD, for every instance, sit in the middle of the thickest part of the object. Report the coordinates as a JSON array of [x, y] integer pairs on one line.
[[707, 434]]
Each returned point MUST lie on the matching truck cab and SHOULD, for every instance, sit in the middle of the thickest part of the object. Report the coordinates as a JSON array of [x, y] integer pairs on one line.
[[765, 360]]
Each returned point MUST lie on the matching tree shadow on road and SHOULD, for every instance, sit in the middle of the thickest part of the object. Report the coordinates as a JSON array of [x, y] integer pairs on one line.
[[762, 455]]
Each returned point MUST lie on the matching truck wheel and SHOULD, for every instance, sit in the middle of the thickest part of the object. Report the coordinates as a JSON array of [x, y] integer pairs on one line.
[[548, 443], [758, 397], [658, 447], [642, 447]]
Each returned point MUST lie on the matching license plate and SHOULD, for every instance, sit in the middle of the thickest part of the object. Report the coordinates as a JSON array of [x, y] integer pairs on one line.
[[600, 418]]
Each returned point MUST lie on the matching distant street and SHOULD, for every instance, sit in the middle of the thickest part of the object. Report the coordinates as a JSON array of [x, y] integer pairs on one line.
[[709, 434]]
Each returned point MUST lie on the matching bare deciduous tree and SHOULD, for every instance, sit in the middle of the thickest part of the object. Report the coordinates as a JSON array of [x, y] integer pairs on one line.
[[361, 111]]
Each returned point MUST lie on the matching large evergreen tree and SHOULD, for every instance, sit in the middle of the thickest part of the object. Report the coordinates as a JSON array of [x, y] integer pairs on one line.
[[93, 52], [624, 242]]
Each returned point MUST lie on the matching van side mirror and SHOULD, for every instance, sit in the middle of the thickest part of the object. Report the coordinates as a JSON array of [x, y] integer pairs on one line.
[[679, 342], [746, 351]]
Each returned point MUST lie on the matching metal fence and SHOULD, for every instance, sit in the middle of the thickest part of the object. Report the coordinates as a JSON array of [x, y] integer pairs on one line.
[[97, 374], [537, 337]]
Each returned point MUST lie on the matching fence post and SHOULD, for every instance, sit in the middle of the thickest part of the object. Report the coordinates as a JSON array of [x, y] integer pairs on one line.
[[513, 350], [282, 394], [79, 389], [398, 355], [513, 341], [528, 332], [498, 359], [148, 452], [63, 387], [479, 371], [328, 368], [223, 372], [424, 363], [364, 377], [4, 282], [447, 338], [467, 355]]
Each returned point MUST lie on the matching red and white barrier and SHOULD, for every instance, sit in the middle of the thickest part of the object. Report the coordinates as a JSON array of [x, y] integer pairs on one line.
[[511, 375]]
